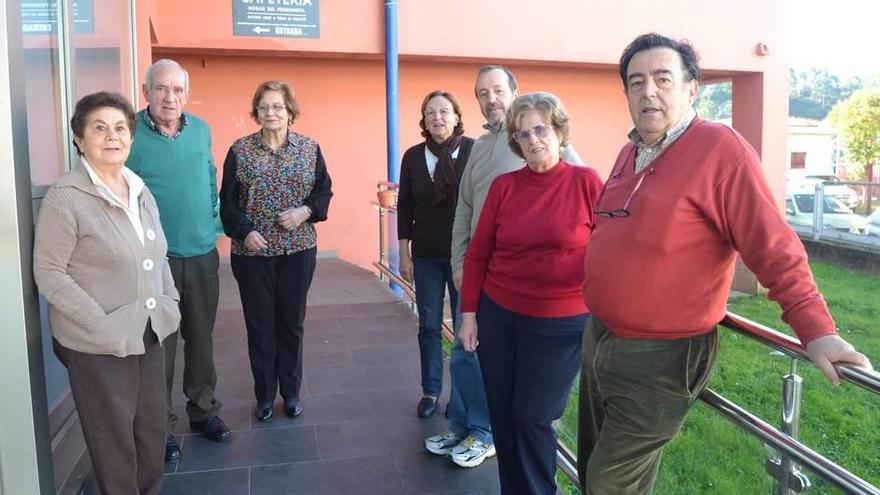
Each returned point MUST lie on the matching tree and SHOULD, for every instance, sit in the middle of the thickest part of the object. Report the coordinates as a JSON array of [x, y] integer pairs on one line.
[[858, 120], [814, 92], [714, 101]]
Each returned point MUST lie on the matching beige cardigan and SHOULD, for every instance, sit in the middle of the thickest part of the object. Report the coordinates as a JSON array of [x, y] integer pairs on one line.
[[101, 283]]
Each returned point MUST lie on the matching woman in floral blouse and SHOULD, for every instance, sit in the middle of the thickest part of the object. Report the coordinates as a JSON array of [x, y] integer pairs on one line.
[[275, 187]]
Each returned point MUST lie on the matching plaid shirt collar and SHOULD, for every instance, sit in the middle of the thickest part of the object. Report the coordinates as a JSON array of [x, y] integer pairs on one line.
[[671, 135], [152, 125], [646, 154]]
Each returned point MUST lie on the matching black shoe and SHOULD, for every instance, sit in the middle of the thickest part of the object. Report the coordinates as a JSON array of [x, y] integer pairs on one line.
[[293, 410], [213, 428], [172, 450], [426, 407], [264, 413]]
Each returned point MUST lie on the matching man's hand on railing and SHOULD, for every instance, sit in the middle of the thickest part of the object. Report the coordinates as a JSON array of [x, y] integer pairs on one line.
[[405, 264], [468, 332], [456, 279], [827, 351]]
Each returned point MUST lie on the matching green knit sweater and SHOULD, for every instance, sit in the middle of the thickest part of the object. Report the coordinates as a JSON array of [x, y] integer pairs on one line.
[[181, 175]]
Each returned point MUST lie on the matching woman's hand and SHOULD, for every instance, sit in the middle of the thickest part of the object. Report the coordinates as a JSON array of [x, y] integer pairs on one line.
[[468, 332], [405, 265], [255, 241], [292, 218]]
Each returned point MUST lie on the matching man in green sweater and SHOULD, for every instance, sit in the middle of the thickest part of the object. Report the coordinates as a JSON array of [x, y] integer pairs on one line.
[[172, 154]]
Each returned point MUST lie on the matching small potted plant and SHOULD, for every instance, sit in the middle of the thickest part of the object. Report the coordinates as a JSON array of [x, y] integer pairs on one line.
[[386, 192]]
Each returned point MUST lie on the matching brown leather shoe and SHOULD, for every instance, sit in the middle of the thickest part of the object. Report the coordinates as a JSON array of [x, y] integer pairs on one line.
[[213, 428]]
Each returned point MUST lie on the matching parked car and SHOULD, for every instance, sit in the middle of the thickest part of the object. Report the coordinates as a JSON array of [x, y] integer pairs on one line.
[[841, 192], [835, 214], [874, 223]]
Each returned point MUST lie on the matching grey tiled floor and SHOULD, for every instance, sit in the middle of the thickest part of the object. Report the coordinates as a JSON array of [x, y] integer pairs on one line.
[[358, 433]]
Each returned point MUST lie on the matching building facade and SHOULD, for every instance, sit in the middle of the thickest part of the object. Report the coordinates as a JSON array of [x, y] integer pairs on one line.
[[55, 52]]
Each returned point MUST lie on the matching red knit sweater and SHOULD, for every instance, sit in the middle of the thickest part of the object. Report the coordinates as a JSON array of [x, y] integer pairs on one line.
[[665, 271], [528, 249]]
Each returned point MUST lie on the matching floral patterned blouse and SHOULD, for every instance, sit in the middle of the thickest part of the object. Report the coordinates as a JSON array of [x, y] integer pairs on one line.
[[259, 183]]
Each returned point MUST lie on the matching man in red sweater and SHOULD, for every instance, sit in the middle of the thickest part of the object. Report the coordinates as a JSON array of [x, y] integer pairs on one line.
[[684, 196]]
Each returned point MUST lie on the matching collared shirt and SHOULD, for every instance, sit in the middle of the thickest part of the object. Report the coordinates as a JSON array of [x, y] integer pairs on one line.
[[432, 160], [135, 187], [645, 154], [155, 127]]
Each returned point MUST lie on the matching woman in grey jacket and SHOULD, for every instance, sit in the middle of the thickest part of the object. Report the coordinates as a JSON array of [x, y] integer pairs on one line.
[[99, 258]]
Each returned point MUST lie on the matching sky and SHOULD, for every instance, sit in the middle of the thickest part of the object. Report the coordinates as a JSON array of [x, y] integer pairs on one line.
[[840, 35]]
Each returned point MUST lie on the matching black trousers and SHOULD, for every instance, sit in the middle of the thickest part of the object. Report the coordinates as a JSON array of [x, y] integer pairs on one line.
[[122, 412], [273, 296], [198, 283], [529, 364]]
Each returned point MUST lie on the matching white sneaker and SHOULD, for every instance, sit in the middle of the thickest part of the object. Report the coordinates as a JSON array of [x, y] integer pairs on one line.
[[443, 443], [471, 452]]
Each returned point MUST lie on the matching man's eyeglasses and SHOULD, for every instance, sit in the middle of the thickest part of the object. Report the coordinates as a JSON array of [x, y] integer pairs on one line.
[[623, 211], [276, 109], [539, 131]]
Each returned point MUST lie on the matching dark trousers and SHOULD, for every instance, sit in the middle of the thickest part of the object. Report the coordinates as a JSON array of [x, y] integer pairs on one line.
[[635, 395], [528, 366], [198, 283], [433, 276], [273, 296], [121, 407]]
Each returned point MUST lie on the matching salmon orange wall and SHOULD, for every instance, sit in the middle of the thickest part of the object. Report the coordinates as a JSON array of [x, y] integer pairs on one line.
[[566, 31], [343, 107], [569, 48]]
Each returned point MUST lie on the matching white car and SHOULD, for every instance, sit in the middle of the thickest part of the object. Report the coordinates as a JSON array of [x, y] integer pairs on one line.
[[874, 223], [841, 192], [835, 215]]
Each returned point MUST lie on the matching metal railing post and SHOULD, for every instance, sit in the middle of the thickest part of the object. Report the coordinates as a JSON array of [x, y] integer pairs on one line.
[[787, 476], [382, 257], [818, 207]]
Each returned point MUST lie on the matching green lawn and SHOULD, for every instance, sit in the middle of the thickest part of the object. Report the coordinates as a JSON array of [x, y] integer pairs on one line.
[[711, 455]]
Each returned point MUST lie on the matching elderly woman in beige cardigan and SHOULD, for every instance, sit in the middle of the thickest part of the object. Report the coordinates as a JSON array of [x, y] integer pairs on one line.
[[99, 258]]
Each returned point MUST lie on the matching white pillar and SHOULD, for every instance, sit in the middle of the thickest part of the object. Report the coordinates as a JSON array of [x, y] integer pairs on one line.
[[25, 453]]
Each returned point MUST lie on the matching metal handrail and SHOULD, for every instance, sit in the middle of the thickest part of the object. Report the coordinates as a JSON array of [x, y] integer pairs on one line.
[[828, 470], [411, 294], [867, 379]]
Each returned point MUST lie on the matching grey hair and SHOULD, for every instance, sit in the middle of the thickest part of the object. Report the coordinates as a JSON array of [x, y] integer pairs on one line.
[[165, 63], [511, 79], [548, 105]]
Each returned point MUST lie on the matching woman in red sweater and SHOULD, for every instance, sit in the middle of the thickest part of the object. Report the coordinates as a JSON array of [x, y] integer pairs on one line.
[[523, 282]]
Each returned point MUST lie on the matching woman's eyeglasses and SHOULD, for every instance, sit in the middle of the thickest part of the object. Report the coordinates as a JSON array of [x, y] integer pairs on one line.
[[539, 131], [276, 109]]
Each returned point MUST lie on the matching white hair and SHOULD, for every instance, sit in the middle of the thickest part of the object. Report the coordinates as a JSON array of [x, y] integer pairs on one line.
[[165, 63]]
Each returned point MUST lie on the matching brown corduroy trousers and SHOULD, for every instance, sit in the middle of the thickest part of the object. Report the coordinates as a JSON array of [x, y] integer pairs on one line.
[[121, 407], [635, 395]]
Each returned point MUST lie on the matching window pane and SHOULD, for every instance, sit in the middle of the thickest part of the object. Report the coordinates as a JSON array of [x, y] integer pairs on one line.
[[43, 91], [102, 56]]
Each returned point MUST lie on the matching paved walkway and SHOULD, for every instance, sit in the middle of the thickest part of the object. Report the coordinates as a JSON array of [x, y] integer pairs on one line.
[[358, 433]]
